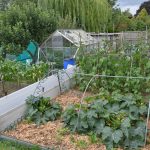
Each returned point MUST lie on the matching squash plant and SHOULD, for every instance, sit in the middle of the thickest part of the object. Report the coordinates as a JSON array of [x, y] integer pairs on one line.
[[118, 119], [41, 110]]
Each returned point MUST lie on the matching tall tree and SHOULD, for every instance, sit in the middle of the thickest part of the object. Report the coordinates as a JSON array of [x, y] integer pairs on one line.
[[145, 5], [112, 2], [142, 14], [91, 15]]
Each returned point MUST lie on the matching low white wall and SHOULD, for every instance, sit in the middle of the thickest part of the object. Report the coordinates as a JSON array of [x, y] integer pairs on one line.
[[13, 106]]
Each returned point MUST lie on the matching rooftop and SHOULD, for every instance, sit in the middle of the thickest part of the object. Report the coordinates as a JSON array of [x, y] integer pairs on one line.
[[78, 36]]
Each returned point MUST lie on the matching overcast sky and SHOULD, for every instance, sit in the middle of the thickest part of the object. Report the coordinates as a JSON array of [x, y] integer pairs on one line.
[[133, 5]]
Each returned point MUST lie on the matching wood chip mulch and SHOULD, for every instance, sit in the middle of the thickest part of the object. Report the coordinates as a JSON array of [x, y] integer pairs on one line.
[[50, 134]]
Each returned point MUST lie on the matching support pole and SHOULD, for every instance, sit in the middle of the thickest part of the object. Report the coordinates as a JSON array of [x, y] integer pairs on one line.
[[148, 114], [38, 60]]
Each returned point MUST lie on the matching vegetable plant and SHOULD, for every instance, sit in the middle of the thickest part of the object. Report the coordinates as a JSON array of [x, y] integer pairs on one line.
[[41, 110], [124, 64], [12, 71], [36, 72], [118, 119]]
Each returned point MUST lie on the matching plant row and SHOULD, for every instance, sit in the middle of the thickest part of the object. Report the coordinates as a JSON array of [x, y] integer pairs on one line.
[[119, 120], [130, 62], [12, 71]]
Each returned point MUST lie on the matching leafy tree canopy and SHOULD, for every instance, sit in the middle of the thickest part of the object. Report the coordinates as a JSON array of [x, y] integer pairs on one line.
[[142, 14], [25, 22], [91, 15], [112, 2], [145, 5]]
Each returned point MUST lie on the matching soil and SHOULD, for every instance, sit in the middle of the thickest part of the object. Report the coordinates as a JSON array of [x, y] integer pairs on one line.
[[54, 135], [11, 87]]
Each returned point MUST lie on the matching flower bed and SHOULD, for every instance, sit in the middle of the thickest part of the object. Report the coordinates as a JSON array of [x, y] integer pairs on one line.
[[53, 134]]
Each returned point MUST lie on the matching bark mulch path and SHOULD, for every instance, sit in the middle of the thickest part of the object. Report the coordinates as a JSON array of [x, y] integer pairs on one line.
[[53, 134]]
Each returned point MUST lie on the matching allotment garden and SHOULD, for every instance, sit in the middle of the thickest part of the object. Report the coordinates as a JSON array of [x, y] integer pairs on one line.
[[16, 75], [106, 109]]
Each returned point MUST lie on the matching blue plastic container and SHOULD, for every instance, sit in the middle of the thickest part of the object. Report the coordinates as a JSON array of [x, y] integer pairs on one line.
[[68, 62]]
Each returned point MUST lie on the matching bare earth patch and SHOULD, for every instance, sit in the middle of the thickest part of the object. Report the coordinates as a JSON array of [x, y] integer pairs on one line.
[[53, 134]]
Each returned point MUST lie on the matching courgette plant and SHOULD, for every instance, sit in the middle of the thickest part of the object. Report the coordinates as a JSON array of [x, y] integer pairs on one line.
[[40, 110], [119, 120]]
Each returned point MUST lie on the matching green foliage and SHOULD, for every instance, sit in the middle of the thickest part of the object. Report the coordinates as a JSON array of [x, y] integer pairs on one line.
[[23, 22], [89, 15], [133, 62], [14, 71], [41, 110], [63, 131], [125, 21], [7, 145], [142, 14], [82, 144], [66, 23], [10, 70], [36, 72], [144, 5], [4, 4], [117, 119], [93, 138], [112, 2], [18, 72]]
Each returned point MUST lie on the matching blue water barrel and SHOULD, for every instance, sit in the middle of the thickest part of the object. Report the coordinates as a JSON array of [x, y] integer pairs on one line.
[[68, 62]]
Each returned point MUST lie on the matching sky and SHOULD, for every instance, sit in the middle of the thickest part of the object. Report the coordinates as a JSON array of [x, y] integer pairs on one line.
[[133, 5]]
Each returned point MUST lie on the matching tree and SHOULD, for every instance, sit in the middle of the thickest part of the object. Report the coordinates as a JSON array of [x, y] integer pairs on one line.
[[142, 14], [145, 5], [123, 23], [66, 23], [4, 4], [142, 20], [112, 2], [25, 22], [127, 13], [91, 15]]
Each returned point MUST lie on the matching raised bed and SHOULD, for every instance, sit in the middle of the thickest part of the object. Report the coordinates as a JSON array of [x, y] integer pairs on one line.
[[53, 134], [13, 105]]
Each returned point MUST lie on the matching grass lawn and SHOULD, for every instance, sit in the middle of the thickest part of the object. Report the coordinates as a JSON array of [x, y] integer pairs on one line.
[[7, 145]]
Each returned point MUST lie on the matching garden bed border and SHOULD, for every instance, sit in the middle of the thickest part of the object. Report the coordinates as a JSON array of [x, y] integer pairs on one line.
[[13, 106]]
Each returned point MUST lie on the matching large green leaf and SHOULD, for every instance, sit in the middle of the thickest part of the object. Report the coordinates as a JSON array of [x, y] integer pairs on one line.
[[143, 110], [126, 123], [106, 133], [99, 126], [117, 136], [91, 113]]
